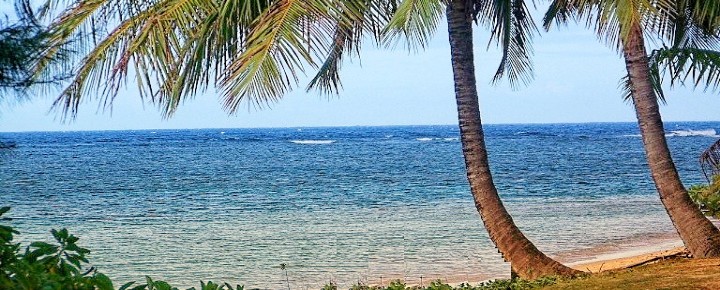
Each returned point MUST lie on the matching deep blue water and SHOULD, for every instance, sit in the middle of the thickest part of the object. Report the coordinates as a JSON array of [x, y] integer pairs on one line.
[[342, 204]]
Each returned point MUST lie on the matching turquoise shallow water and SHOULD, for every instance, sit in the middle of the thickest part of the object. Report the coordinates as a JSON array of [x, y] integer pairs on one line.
[[342, 204]]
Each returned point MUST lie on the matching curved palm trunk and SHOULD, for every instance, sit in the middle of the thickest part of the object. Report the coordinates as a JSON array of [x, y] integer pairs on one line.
[[699, 235], [525, 259]]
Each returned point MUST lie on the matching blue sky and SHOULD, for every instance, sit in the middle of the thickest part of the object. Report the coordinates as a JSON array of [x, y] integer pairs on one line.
[[576, 80]]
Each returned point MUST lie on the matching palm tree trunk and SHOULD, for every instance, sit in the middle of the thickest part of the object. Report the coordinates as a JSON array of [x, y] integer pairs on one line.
[[700, 236], [525, 259]]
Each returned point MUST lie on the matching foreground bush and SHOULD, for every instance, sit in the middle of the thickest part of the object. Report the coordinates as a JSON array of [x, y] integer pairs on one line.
[[59, 266], [503, 284], [707, 197]]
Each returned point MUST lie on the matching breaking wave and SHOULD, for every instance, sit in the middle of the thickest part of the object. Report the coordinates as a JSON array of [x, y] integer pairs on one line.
[[313, 141], [693, 133], [427, 139]]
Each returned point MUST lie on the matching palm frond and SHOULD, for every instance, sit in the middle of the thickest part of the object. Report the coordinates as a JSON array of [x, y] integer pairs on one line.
[[700, 67], [655, 79], [210, 47], [358, 21], [682, 25], [327, 79], [559, 12], [705, 12], [415, 22], [610, 19], [512, 29], [62, 31], [291, 35], [149, 42]]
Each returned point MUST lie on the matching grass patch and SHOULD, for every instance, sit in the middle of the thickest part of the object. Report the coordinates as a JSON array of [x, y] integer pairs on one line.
[[678, 273]]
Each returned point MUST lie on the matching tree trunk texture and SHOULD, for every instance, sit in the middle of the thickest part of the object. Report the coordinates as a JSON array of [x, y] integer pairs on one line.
[[700, 236], [525, 259]]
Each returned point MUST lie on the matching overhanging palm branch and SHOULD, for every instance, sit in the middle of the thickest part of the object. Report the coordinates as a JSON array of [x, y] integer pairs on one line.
[[710, 161], [148, 39], [686, 24], [293, 35], [512, 29], [251, 50], [509, 21], [704, 11], [415, 22], [611, 20], [693, 54], [701, 67], [359, 19]]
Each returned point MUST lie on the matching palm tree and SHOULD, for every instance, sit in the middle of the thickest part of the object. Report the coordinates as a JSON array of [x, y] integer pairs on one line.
[[623, 23], [254, 53], [512, 29], [525, 259]]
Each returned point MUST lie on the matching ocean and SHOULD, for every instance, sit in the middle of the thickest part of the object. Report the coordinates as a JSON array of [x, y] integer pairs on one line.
[[335, 204]]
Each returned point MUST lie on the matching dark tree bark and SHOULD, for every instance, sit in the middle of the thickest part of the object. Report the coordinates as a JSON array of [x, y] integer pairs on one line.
[[525, 259], [700, 236]]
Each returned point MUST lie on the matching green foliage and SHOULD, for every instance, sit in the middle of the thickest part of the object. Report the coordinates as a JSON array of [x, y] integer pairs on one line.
[[360, 286], [707, 197], [21, 42], [46, 266], [162, 285], [502, 284], [516, 284], [439, 285]]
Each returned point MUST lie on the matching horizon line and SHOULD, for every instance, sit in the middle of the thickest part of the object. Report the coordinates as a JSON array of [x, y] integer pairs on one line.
[[344, 126]]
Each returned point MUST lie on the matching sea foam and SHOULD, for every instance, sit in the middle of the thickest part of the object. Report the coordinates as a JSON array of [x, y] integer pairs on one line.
[[426, 139], [693, 133], [313, 141]]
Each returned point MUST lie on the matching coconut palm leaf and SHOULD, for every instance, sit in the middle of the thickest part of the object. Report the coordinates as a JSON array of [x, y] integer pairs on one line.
[[251, 50], [359, 20], [610, 19], [414, 21], [512, 29], [688, 24], [149, 41], [212, 45], [707, 12], [289, 36], [692, 31], [700, 67], [655, 79], [509, 21]]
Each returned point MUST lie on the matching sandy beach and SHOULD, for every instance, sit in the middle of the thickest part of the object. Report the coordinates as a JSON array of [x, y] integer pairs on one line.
[[635, 253], [627, 259], [597, 259]]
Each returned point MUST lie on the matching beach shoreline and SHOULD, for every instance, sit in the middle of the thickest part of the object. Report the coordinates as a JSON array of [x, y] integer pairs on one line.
[[592, 260]]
